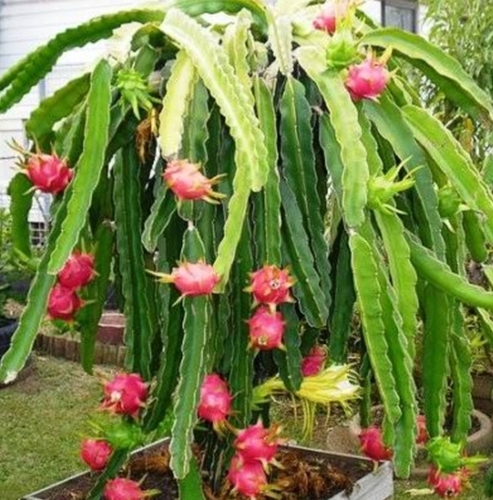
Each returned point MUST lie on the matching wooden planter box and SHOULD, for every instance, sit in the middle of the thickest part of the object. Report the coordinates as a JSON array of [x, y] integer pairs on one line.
[[373, 485]]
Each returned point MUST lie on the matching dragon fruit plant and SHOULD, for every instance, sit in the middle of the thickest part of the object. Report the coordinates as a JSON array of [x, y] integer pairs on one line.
[[255, 176]]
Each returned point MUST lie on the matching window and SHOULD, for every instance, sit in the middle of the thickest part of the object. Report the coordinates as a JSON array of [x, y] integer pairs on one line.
[[400, 13]]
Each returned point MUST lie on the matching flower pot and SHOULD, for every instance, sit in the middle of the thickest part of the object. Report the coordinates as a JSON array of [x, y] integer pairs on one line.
[[482, 392], [480, 441], [111, 328], [363, 483]]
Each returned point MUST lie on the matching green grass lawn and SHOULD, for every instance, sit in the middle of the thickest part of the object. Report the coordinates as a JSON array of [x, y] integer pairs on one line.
[[44, 416], [42, 419]]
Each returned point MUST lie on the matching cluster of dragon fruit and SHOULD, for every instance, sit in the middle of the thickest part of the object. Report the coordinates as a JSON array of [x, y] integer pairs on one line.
[[127, 394]]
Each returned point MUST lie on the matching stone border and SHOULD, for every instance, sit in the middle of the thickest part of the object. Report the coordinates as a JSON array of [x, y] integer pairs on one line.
[[68, 347]]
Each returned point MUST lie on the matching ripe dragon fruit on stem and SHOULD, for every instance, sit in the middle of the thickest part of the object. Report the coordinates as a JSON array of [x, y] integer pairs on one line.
[[368, 79], [192, 278], [372, 444], [63, 303], [447, 485], [121, 488], [266, 329], [48, 173], [78, 271], [215, 401], [95, 453], [125, 394], [314, 361], [331, 13], [247, 478], [256, 443], [270, 285], [188, 183]]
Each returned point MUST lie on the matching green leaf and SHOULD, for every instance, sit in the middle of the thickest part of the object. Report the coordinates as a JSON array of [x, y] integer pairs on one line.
[[454, 162], [391, 125], [37, 299], [368, 291], [20, 78], [344, 119], [442, 277], [191, 485], [179, 91], [21, 198], [438, 66], [54, 108], [196, 332], [137, 285], [89, 167], [307, 288]]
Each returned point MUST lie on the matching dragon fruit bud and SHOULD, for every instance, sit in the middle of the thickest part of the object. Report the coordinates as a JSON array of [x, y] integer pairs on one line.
[[372, 444], [422, 435], [256, 443], [48, 173], [247, 478], [314, 361], [332, 11], [121, 488], [446, 485], [63, 303], [192, 278], [368, 79], [188, 183], [78, 271], [95, 453], [266, 329], [270, 285], [215, 399], [125, 394]]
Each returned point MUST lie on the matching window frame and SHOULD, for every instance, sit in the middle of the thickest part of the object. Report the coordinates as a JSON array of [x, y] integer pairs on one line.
[[407, 4]]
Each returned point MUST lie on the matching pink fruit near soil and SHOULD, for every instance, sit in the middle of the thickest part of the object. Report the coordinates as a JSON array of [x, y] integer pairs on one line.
[[256, 443], [372, 444], [215, 399], [247, 478], [123, 489], [95, 453], [125, 394]]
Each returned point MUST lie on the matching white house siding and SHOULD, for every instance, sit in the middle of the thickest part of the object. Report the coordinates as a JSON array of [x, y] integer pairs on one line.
[[24, 25]]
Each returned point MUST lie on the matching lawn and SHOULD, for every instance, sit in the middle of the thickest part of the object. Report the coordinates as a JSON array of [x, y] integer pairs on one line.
[[44, 416]]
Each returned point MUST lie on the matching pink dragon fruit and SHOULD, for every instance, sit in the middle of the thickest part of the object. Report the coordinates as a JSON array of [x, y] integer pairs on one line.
[[256, 443], [215, 400], [270, 285], [446, 485], [121, 488], [125, 394], [48, 173], [63, 303], [95, 453], [331, 13], [192, 278], [314, 361], [247, 478], [372, 444], [368, 79], [266, 329], [188, 183], [78, 271]]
